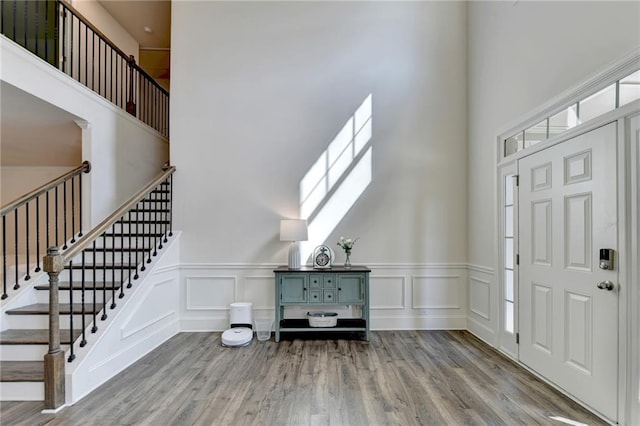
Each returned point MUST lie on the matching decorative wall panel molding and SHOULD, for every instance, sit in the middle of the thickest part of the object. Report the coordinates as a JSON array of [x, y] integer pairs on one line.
[[210, 293], [436, 296], [436, 291], [387, 292], [480, 297]]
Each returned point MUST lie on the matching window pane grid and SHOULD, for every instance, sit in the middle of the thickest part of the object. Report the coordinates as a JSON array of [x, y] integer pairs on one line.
[[618, 94]]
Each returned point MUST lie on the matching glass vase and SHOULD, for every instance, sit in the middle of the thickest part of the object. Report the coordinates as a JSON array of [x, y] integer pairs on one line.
[[347, 262]]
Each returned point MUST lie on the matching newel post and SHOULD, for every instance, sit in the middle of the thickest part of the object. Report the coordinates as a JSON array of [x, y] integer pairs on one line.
[[54, 392]]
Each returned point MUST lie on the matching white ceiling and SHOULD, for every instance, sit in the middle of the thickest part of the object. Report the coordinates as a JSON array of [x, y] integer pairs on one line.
[[36, 133]]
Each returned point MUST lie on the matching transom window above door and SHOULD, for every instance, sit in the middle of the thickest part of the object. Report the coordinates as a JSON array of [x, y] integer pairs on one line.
[[620, 93]]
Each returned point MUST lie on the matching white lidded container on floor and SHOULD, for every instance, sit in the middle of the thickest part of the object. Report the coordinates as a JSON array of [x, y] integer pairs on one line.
[[241, 323]]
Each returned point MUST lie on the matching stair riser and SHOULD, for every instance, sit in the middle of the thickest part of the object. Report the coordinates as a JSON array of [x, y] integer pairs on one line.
[[22, 322], [21, 391], [25, 352]]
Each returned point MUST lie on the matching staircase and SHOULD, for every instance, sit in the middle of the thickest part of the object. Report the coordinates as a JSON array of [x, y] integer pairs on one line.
[[89, 290]]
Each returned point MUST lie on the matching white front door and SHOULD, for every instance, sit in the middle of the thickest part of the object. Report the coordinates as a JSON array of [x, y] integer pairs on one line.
[[567, 212]]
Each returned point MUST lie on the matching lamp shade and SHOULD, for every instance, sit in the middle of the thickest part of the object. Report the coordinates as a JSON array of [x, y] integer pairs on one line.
[[293, 230]]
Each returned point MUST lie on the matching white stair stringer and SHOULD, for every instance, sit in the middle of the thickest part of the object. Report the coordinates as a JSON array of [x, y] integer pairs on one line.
[[146, 317]]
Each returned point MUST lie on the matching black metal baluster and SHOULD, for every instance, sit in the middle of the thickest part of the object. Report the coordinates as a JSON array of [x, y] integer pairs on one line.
[[15, 20], [154, 226], [113, 268], [165, 212], [72, 356], [64, 35], [171, 205], [48, 225], [104, 277], [95, 289], [26, 24], [15, 240], [130, 267], [38, 234], [93, 62], [121, 295], [46, 30], [28, 276], [148, 231], [80, 198], [141, 235], [71, 50], [83, 342], [86, 56], [135, 241], [111, 65], [161, 214], [4, 257], [79, 75], [73, 209], [56, 210], [64, 213], [36, 27]]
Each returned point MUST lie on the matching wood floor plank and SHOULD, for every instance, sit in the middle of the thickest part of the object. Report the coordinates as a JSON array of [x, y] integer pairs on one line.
[[398, 378]]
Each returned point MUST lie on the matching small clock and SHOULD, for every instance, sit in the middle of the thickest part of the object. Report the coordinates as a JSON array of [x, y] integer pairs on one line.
[[322, 257]]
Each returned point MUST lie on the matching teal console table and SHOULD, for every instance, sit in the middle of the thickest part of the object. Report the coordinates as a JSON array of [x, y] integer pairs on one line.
[[319, 290]]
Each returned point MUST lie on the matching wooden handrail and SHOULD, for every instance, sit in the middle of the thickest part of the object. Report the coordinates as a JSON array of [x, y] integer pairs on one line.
[[84, 168], [88, 238]]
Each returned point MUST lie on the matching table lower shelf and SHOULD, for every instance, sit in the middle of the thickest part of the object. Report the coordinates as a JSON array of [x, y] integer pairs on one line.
[[344, 324], [347, 328]]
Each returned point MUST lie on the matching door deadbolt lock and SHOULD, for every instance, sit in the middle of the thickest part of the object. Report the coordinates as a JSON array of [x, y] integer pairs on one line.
[[606, 285], [606, 259]]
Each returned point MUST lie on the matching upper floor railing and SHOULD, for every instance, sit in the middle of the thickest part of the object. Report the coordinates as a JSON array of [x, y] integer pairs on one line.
[[59, 34]]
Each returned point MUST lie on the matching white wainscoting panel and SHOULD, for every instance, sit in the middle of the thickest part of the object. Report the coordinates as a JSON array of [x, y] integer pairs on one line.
[[402, 296], [211, 293], [483, 306], [480, 297], [436, 291], [387, 292]]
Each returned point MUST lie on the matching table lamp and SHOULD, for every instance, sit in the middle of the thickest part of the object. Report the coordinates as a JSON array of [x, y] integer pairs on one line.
[[293, 230]]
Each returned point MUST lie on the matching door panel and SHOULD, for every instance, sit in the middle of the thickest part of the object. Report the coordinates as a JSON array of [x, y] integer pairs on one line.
[[567, 212]]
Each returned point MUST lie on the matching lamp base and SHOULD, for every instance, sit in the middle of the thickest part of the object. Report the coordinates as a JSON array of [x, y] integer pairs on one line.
[[294, 256]]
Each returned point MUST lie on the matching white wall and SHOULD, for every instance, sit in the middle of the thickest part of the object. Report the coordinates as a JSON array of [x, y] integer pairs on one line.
[[260, 89], [124, 153]]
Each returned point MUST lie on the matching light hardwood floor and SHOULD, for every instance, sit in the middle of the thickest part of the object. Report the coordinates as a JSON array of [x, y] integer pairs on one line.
[[399, 378]]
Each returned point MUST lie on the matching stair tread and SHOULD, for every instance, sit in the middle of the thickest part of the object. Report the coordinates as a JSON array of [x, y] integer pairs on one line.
[[34, 336], [65, 285], [21, 371], [142, 222], [108, 249], [134, 234], [43, 309], [78, 265]]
